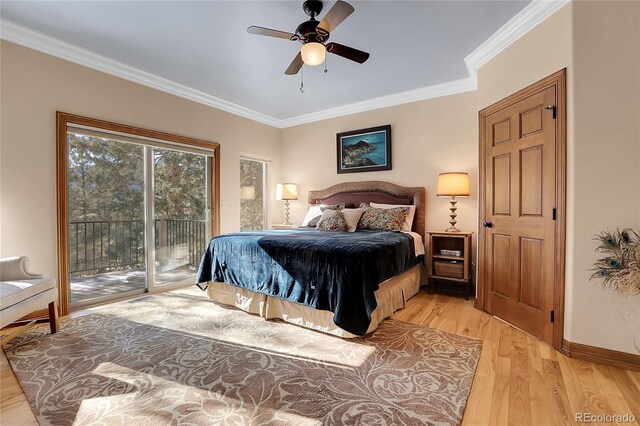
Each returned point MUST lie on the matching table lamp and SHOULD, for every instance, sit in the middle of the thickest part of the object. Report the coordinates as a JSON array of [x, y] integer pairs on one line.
[[286, 192], [453, 184]]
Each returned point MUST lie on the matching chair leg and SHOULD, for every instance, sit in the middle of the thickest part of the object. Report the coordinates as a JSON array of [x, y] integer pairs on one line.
[[54, 322]]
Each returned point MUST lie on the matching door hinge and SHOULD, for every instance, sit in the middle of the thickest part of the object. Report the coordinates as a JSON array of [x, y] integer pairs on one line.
[[553, 316], [553, 213], [554, 110]]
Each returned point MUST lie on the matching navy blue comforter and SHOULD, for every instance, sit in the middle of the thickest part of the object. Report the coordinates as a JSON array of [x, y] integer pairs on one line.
[[332, 271]]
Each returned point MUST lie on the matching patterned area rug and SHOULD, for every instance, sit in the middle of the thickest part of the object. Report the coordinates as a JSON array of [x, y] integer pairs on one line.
[[181, 359]]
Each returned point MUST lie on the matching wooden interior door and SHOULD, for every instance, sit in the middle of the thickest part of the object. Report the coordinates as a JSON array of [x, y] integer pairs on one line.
[[519, 210]]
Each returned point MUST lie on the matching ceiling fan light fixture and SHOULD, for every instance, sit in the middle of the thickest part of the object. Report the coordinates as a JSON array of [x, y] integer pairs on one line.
[[313, 53]]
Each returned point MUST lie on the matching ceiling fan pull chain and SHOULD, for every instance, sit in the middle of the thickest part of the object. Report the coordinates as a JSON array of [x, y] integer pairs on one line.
[[302, 80], [325, 64]]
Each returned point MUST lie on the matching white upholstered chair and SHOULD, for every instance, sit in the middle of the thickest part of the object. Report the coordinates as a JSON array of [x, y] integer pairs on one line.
[[22, 293]]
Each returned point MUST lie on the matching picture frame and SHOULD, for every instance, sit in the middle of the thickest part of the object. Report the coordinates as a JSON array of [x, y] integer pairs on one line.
[[364, 150]]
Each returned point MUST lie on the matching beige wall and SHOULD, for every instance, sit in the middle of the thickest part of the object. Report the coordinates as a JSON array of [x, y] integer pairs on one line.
[[34, 86], [599, 44], [606, 160], [428, 137]]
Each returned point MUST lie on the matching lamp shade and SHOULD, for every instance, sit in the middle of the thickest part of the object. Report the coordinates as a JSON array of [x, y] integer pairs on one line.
[[286, 191], [453, 184], [313, 53]]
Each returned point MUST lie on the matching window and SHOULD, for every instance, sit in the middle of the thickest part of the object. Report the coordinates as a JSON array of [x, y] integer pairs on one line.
[[253, 190]]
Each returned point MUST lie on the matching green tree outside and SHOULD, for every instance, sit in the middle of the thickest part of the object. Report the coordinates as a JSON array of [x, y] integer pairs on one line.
[[106, 200]]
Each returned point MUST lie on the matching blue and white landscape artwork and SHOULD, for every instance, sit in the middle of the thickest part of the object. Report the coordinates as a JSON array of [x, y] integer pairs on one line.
[[364, 150]]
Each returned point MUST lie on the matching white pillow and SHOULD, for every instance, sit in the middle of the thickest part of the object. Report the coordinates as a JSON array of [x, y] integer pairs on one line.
[[313, 212], [408, 222], [352, 217]]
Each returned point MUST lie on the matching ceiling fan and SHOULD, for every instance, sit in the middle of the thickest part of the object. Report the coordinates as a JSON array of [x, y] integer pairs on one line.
[[314, 34]]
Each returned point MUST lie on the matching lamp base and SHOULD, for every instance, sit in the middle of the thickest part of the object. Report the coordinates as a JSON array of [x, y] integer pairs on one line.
[[286, 213], [453, 216]]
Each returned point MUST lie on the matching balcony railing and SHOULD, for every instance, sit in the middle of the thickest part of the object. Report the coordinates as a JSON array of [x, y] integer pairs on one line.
[[103, 246]]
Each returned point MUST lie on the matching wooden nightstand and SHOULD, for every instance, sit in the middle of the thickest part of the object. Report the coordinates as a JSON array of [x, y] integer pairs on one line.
[[282, 226], [449, 260]]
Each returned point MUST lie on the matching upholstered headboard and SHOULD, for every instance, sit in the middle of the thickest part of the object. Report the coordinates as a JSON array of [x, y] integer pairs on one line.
[[354, 193]]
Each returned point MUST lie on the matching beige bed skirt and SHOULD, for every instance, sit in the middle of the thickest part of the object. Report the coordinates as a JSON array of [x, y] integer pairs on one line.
[[392, 295]]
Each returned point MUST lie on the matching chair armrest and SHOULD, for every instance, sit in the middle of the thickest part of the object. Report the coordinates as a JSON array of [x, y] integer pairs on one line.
[[16, 268]]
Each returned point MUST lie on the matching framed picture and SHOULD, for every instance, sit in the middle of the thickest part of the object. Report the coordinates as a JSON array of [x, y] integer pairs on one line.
[[366, 150]]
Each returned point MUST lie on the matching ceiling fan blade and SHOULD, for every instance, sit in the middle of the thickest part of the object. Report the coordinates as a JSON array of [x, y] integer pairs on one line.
[[338, 13], [295, 66], [271, 33], [347, 52]]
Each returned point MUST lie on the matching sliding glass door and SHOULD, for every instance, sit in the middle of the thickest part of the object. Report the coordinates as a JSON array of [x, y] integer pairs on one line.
[[138, 214], [106, 218], [180, 214]]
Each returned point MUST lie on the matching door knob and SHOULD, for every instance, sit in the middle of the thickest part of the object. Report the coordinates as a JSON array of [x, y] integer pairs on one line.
[[487, 224]]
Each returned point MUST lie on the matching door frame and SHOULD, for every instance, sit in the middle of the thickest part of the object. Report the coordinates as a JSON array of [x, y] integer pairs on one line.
[[62, 120], [559, 81]]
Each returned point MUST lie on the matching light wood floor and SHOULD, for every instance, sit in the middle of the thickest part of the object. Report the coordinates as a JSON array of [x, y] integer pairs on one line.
[[519, 381]]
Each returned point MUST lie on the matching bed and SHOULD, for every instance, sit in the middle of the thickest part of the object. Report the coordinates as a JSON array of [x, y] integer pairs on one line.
[[339, 283]]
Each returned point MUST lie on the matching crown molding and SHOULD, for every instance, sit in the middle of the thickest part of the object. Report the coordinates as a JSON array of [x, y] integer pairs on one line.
[[69, 52], [523, 22], [527, 19], [423, 93]]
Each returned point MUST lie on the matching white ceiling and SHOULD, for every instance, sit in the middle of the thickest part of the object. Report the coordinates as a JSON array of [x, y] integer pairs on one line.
[[204, 45]]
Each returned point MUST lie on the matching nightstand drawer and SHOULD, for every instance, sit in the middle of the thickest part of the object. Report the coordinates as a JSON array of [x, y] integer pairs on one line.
[[452, 269]]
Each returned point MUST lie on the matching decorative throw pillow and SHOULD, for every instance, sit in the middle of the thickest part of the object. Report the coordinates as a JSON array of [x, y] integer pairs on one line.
[[315, 211], [408, 222], [313, 223], [382, 219], [332, 221]]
